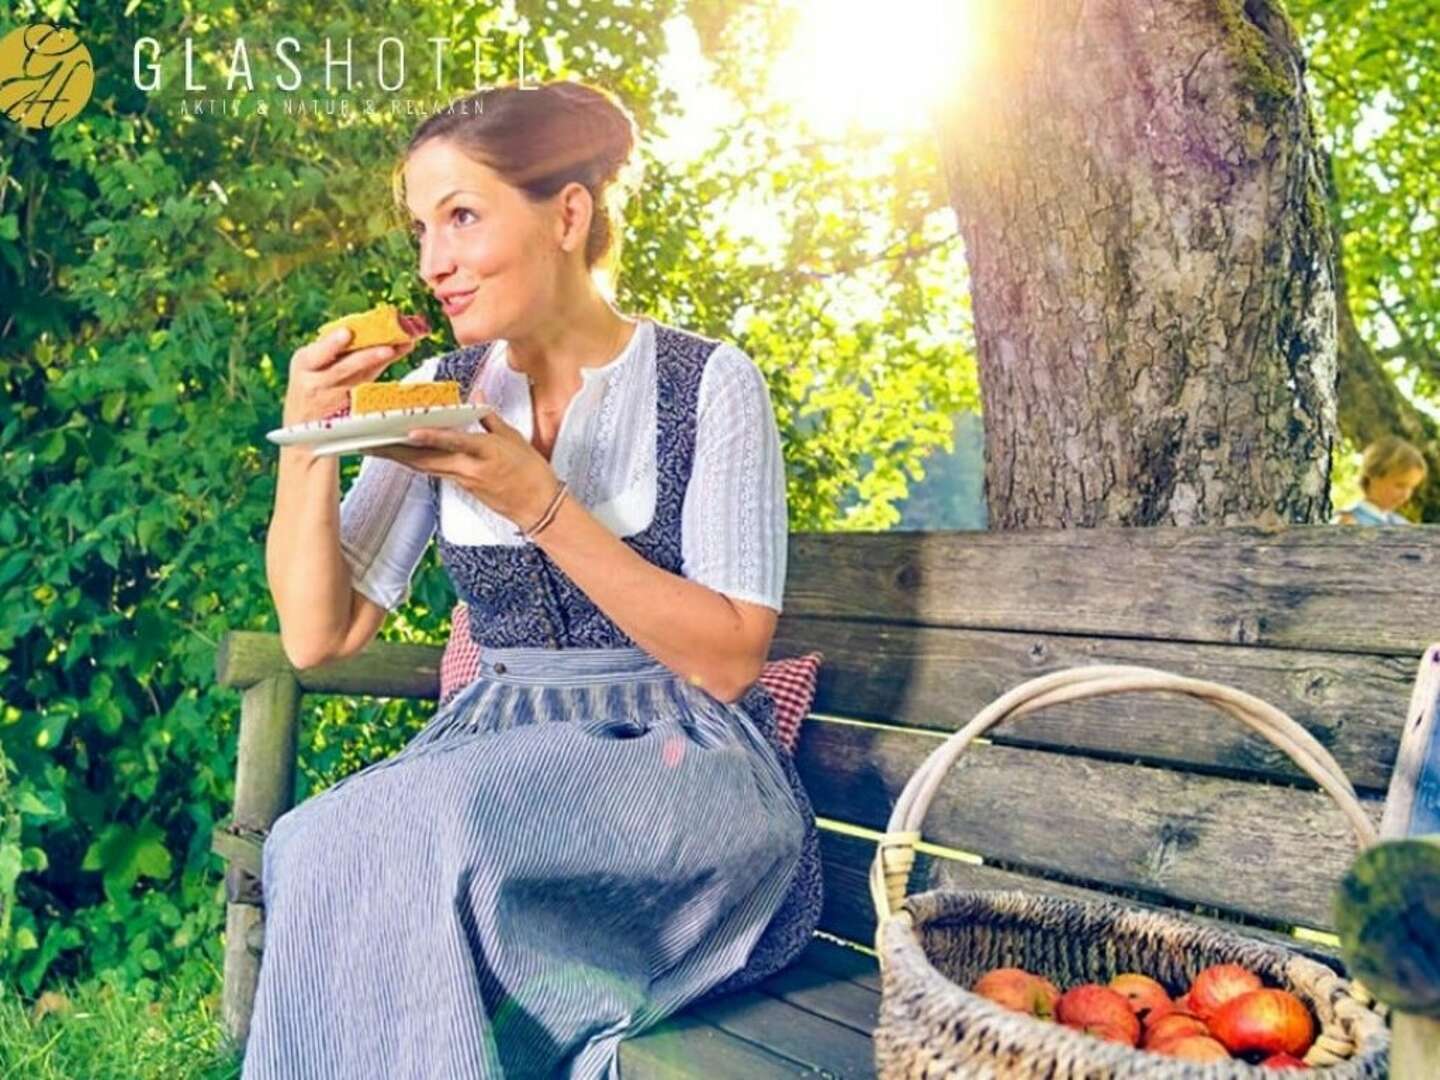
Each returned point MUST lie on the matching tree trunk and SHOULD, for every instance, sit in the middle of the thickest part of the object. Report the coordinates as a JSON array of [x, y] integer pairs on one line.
[[1145, 221]]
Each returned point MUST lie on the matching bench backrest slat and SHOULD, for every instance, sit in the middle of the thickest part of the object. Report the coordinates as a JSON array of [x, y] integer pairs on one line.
[[939, 678], [850, 913], [1259, 850], [1322, 587]]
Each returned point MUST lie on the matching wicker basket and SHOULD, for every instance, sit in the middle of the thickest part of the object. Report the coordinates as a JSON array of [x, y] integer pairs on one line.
[[935, 944]]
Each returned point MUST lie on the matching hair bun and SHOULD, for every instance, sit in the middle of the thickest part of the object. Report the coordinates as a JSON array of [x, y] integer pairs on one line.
[[541, 138]]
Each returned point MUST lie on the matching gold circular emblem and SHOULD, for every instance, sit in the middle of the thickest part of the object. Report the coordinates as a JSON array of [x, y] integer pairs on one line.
[[46, 75]]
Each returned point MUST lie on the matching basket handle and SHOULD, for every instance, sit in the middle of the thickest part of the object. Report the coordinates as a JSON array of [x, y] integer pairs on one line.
[[895, 855]]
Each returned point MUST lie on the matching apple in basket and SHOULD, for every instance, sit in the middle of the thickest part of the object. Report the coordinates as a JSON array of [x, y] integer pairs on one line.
[[1099, 1011], [1172, 1026], [1193, 1048], [1216, 985], [1266, 1020], [1018, 989], [1180, 1006], [1144, 993]]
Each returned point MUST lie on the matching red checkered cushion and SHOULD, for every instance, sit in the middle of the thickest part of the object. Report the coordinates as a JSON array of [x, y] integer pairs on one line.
[[791, 681]]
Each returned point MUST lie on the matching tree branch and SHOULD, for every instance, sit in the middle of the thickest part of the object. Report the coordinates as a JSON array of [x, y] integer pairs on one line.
[[901, 256]]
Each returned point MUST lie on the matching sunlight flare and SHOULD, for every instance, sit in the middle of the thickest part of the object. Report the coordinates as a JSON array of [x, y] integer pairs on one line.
[[849, 68]]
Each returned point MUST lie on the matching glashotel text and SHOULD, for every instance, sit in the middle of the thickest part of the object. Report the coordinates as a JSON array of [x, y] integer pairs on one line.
[[389, 62]]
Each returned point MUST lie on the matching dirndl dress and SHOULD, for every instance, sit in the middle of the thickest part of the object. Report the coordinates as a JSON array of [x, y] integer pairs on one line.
[[577, 845]]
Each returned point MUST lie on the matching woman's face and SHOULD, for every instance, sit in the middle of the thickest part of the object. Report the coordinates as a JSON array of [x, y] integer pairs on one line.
[[1393, 490], [478, 234]]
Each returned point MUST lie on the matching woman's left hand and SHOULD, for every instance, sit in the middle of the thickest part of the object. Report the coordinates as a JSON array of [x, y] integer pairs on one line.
[[498, 466]]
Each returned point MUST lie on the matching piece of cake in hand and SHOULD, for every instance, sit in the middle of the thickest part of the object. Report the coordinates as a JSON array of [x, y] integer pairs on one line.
[[381, 325], [374, 397]]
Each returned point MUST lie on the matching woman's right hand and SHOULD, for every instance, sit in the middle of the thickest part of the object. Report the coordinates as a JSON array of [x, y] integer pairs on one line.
[[322, 373]]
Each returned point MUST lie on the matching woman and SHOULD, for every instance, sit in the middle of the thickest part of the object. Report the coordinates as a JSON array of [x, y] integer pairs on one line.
[[1390, 471], [601, 827]]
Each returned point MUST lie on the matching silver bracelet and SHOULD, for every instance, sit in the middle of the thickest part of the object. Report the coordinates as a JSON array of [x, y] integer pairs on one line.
[[547, 516]]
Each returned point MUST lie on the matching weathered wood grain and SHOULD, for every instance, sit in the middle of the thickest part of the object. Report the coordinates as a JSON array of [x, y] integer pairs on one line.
[[264, 789], [838, 960], [241, 848], [1269, 852], [1305, 587], [1412, 807], [841, 1000], [850, 912], [940, 678], [821, 1044], [381, 669], [244, 929], [686, 1046]]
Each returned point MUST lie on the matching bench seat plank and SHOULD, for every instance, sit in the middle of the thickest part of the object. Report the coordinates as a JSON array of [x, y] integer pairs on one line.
[[841, 1000], [940, 678], [802, 1036], [840, 960], [685, 1046]]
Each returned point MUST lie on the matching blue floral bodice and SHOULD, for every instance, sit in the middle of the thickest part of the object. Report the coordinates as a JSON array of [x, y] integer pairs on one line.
[[517, 596]]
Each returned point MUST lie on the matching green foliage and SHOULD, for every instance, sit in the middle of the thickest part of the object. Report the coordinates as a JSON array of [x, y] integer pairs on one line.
[[1375, 69], [157, 270]]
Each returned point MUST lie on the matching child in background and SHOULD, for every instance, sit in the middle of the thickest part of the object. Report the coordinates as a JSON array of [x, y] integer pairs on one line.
[[1390, 471]]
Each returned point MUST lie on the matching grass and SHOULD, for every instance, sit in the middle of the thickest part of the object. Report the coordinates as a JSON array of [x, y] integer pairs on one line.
[[90, 1031]]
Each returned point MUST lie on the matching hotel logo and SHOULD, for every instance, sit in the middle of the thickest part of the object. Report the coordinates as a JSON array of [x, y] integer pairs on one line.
[[46, 75]]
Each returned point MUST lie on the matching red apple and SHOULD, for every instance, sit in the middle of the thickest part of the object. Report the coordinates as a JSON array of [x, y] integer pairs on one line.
[[1166, 1008], [1193, 1048], [1018, 989], [1268, 1021], [1217, 984], [1283, 1061], [1144, 993], [1172, 1026], [1099, 1011]]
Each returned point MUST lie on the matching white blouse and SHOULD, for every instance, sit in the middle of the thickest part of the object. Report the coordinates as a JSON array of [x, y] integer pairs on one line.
[[734, 522]]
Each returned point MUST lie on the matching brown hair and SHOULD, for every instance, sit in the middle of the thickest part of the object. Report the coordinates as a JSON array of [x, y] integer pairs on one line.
[[1386, 455], [541, 138]]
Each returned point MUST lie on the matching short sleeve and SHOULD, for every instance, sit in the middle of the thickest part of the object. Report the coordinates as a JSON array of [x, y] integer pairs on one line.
[[386, 521], [735, 522]]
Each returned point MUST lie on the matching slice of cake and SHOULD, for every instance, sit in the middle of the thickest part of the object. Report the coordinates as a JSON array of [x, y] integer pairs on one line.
[[373, 397], [381, 325]]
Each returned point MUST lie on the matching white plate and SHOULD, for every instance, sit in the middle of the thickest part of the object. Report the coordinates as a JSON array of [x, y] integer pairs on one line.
[[347, 434]]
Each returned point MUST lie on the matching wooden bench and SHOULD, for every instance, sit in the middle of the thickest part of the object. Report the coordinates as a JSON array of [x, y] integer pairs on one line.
[[1153, 798]]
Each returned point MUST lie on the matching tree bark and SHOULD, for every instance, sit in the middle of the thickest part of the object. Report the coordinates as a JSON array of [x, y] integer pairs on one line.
[[1146, 226]]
